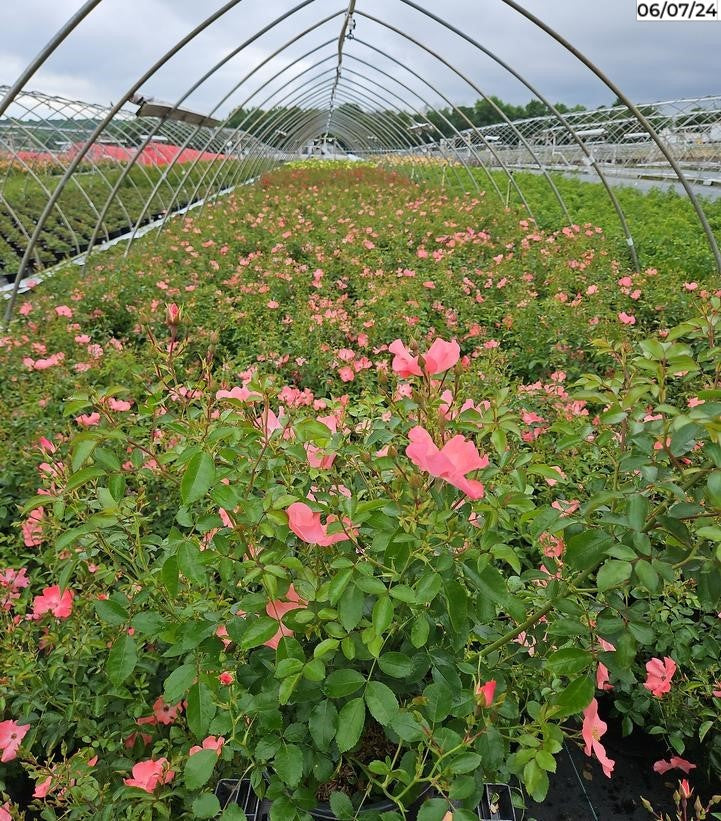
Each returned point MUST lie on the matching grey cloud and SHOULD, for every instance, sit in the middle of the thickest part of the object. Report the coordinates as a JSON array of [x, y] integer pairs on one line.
[[119, 40]]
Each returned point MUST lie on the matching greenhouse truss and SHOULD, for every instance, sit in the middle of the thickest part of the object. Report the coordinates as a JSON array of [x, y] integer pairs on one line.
[[76, 175]]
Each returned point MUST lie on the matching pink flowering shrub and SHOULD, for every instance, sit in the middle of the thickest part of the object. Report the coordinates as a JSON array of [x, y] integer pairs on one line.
[[216, 572]]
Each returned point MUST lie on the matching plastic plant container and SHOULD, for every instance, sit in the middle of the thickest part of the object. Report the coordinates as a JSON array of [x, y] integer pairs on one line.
[[496, 803]]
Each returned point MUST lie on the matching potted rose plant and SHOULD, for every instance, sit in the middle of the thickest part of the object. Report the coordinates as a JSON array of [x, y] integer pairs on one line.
[[378, 605]]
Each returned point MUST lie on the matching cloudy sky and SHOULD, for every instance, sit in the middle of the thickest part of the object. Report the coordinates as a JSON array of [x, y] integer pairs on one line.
[[122, 39]]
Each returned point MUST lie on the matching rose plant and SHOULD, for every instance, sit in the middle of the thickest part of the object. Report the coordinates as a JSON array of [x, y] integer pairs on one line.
[[399, 596], [395, 545]]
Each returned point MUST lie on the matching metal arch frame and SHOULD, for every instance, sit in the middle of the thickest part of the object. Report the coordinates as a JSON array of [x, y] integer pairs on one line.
[[302, 136], [475, 129], [447, 121], [89, 6], [304, 128], [46, 51], [394, 106], [31, 170], [471, 176], [274, 93], [227, 96], [241, 124], [212, 71], [208, 74], [616, 204], [154, 68], [239, 127], [20, 224], [404, 137], [271, 112], [711, 239], [96, 112], [302, 117], [92, 112], [467, 169], [266, 113], [341, 40], [308, 94], [80, 109]]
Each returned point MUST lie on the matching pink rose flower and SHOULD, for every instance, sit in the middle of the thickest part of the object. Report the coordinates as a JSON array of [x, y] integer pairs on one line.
[[147, 775], [658, 675], [11, 736], [457, 458], [60, 604], [592, 730], [307, 526]]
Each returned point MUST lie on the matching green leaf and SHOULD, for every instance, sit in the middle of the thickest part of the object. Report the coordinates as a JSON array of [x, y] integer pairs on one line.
[[407, 727], [465, 763], [338, 584], [288, 765], [428, 587], [285, 691], [613, 573], [310, 430], [190, 562], [323, 724], [396, 665], [499, 441], [207, 806], [420, 631], [288, 667], [568, 661], [149, 623], [637, 511], [546, 761], [535, 780], [259, 630], [350, 724], [178, 683], [586, 549], [576, 697], [84, 447], [122, 659], [199, 768], [200, 710], [382, 614], [341, 683], [457, 601], [83, 476], [233, 813], [325, 647], [490, 584], [342, 806], [350, 609], [198, 477], [713, 489], [646, 575], [170, 575], [684, 439], [438, 701], [111, 612], [434, 809], [403, 593], [382, 702]]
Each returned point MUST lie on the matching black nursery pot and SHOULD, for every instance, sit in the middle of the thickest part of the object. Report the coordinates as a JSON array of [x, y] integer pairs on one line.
[[323, 812], [231, 791], [496, 804]]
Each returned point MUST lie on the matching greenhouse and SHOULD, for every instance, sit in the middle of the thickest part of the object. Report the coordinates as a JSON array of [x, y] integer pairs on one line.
[[361, 433]]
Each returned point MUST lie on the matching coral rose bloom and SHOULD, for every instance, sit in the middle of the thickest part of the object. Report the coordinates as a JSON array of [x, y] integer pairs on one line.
[[147, 775]]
